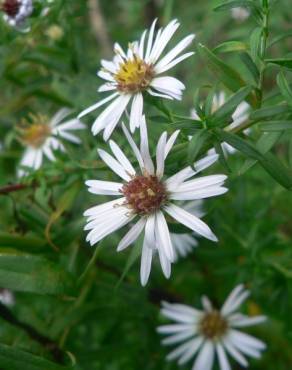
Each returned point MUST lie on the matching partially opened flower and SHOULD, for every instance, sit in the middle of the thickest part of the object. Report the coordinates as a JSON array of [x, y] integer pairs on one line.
[[136, 71], [239, 116], [42, 136], [147, 196], [211, 331], [16, 11]]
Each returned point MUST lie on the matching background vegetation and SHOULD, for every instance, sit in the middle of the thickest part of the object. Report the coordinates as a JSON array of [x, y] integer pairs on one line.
[[83, 308]]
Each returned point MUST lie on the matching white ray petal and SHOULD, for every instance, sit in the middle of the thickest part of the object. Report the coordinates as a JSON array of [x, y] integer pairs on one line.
[[160, 155], [172, 328], [146, 261], [165, 263], [113, 164], [178, 337], [150, 39], [150, 231], [69, 137], [188, 172], [59, 116], [97, 105], [118, 49], [231, 299], [174, 62], [111, 115], [104, 187], [194, 346], [144, 147], [190, 221], [136, 111], [107, 87], [239, 339], [105, 76], [170, 142], [141, 44], [134, 147], [192, 312], [48, 153], [223, 360], [237, 356], [96, 210], [163, 237], [239, 321], [153, 93], [200, 183], [170, 56], [168, 85], [211, 191], [109, 66], [121, 158], [205, 357], [132, 235]]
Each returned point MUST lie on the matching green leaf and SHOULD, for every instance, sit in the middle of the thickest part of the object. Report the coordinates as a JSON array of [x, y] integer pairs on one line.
[[251, 66], [280, 37], [231, 46], [269, 113], [196, 144], [264, 144], [283, 62], [284, 88], [12, 358], [226, 74], [276, 126], [255, 43], [22, 242], [218, 118], [29, 273], [268, 161]]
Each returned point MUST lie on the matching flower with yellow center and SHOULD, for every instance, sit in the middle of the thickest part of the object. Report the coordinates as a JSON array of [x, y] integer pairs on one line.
[[132, 73], [211, 332], [42, 136], [145, 195]]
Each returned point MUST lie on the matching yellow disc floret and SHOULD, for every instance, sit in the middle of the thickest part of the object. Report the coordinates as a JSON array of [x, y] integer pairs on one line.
[[134, 75], [36, 133]]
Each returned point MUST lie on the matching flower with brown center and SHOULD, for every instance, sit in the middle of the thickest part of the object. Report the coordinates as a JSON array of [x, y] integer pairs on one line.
[[213, 325], [209, 332], [149, 197], [145, 194], [16, 11]]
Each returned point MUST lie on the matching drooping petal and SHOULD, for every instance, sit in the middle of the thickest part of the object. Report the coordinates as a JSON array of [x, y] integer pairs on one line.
[[104, 187], [146, 261], [190, 221], [132, 235], [205, 357], [223, 360], [136, 111]]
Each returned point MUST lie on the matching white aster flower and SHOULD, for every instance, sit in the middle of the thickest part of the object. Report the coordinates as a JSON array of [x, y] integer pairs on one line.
[[183, 243], [239, 13], [147, 196], [239, 116], [16, 11], [211, 332], [136, 71], [42, 137]]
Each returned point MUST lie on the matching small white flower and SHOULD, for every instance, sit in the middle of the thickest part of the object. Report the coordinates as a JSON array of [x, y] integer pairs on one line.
[[16, 11], [146, 195], [211, 332], [138, 70], [239, 13], [239, 116], [7, 297], [42, 137], [183, 244]]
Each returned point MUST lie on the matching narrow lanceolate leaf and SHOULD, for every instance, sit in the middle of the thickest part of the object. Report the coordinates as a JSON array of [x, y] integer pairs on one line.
[[23, 242], [276, 126], [255, 42], [29, 273], [268, 161], [251, 66], [270, 113], [226, 74], [264, 144], [283, 62], [231, 46], [196, 143], [12, 358], [219, 116], [284, 88]]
